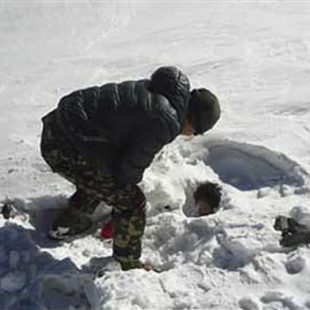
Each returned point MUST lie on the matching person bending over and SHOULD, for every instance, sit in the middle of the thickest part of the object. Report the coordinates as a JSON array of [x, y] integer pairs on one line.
[[102, 138]]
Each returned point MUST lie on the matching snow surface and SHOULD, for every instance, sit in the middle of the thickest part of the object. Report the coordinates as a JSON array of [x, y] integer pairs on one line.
[[255, 55]]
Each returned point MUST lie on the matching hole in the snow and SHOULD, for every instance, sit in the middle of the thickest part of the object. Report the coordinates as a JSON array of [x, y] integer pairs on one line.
[[249, 167]]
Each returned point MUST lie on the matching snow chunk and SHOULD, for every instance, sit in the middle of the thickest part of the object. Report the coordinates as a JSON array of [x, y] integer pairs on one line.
[[301, 214], [295, 264], [248, 304]]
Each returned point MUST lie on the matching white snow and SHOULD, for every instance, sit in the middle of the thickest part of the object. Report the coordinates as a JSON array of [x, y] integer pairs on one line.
[[255, 55]]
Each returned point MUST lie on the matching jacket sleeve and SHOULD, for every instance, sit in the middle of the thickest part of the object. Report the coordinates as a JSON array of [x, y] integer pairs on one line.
[[146, 144]]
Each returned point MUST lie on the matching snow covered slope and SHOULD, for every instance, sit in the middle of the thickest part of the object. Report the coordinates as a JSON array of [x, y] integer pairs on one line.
[[255, 55]]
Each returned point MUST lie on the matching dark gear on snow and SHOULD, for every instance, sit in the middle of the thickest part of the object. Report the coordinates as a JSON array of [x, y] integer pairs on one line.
[[293, 233], [103, 138], [7, 210], [203, 110]]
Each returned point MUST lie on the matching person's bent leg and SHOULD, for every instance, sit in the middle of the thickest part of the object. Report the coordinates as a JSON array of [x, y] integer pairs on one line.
[[65, 161], [83, 203], [128, 218]]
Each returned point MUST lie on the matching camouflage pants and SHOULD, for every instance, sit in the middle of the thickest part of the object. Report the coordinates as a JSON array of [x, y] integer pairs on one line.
[[93, 186]]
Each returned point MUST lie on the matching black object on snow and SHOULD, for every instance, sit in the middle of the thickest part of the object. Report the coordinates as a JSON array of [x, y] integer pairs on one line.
[[7, 209], [293, 233]]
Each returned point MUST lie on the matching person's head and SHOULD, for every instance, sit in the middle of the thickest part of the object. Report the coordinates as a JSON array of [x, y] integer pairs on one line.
[[203, 112], [207, 198]]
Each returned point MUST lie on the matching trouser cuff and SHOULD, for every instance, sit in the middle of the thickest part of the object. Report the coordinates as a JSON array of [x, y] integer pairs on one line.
[[127, 263]]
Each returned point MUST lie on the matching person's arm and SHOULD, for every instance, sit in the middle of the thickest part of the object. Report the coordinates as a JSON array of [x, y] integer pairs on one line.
[[138, 157], [146, 144]]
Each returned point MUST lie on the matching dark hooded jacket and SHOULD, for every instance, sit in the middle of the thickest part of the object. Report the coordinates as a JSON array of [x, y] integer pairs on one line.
[[119, 128]]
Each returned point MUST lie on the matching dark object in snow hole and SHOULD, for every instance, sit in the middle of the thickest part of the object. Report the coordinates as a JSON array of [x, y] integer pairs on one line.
[[207, 198], [167, 207]]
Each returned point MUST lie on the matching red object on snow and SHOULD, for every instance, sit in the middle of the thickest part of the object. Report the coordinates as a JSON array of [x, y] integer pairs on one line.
[[107, 231]]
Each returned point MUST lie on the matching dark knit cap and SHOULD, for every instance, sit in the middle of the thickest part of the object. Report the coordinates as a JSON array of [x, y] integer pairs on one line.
[[203, 110]]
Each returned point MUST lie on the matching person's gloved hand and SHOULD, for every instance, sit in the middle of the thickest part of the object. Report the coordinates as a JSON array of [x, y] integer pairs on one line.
[[107, 231]]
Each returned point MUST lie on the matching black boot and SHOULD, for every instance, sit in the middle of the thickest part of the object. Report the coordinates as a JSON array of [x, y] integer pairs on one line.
[[69, 224], [76, 219]]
